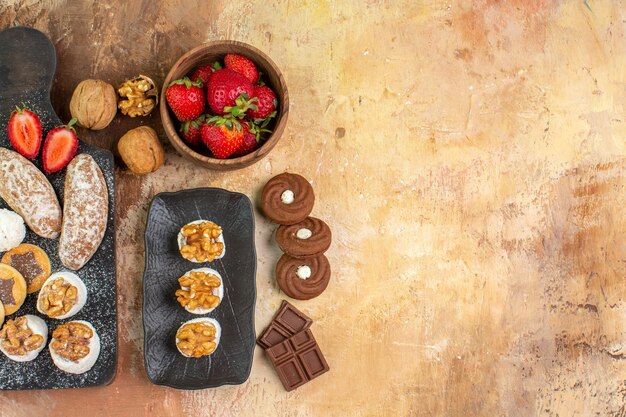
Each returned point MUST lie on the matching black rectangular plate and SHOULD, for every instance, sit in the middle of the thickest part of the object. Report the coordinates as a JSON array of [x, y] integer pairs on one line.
[[27, 65], [231, 362]]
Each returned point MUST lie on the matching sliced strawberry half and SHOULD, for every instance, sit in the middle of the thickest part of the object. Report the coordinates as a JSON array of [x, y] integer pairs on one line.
[[59, 147], [24, 130]]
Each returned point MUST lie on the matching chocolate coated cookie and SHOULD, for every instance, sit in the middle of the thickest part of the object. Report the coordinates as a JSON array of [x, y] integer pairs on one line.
[[303, 279], [287, 198], [32, 262], [306, 239], [12, 289]]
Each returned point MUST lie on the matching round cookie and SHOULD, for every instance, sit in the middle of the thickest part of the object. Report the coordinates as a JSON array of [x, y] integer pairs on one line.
[[12, 289], [306, 239], [303, 279], [32, 262], [12, 230], [1, 313], [287, 198]]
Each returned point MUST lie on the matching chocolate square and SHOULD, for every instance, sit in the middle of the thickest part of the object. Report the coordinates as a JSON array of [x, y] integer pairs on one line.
[[291, 374], [313, 362], [273, 335], [292, 319], [280, 352], [302, 340]]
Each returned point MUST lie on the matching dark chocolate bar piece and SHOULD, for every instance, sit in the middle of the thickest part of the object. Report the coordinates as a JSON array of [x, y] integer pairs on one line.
[[287, 322], [292, 319], [291, 374], [298, 360], [272, 336]]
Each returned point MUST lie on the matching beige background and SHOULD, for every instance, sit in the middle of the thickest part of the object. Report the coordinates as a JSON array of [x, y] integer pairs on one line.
[[470, 159]]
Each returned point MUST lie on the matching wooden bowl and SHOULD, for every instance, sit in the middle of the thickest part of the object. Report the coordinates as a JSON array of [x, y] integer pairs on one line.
[[207, 54]]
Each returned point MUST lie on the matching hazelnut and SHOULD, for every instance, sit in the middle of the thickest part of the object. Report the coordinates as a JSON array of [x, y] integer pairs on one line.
[[141, 150], [93, 104]]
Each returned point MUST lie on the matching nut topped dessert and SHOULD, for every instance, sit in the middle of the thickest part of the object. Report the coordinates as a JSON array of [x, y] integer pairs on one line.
[[201, 241], [22, 338], [201, 290], [75, 347], [62, 296], [32, 262], [198, 337]]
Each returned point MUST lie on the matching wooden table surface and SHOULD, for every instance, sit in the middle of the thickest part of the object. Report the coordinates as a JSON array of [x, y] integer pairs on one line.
[[470, 159]]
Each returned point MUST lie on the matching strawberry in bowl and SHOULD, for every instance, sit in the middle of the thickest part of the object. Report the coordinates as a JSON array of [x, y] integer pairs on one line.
[[245, 110]]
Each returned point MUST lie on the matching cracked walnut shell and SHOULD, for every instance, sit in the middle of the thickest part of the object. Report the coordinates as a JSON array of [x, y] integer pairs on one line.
[[93, 104], [139, 96]]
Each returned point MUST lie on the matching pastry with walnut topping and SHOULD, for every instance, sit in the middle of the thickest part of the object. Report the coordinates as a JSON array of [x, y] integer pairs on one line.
[[22, 338], [201, 290], [198, 337], [75, 347], [62, 296], [201, 241]]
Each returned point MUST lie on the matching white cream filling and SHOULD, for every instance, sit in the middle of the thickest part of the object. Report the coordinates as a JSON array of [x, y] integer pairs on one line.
[[304, 233], [208, 320], [304, 272], [220, 291], [182, 240], [72, 279], [287, 197], [38, 326], [82, 365]]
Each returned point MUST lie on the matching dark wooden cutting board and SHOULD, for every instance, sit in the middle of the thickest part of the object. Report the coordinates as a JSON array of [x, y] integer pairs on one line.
[[27, 67]]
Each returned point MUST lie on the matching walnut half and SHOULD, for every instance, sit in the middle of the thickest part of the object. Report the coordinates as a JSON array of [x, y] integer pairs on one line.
[[18, 338], [196, 339], [139, 96], [201, 241], [58, 298], [200, 290], [72, 340]]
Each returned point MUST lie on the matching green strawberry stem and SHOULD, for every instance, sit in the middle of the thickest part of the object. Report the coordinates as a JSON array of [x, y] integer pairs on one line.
[[18, 110], [71, 124], [196, 123], [242, 105], [188, 83], [258, 130], [229, 122]]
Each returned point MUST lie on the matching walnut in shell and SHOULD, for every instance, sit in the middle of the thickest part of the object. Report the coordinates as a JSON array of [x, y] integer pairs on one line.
[[93, 104], [141, 150], [139, 96]]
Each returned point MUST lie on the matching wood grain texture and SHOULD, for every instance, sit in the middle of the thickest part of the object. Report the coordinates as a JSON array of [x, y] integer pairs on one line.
[[470, 160]]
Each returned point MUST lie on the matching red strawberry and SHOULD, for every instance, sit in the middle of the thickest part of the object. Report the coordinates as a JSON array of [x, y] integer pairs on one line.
[[222, 136], [24, 130], [252, 137], [243, 66], [266, 102], [59, 148], [204, 72], [248, 143], [191, 131], [224, 87], [186, 99]]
